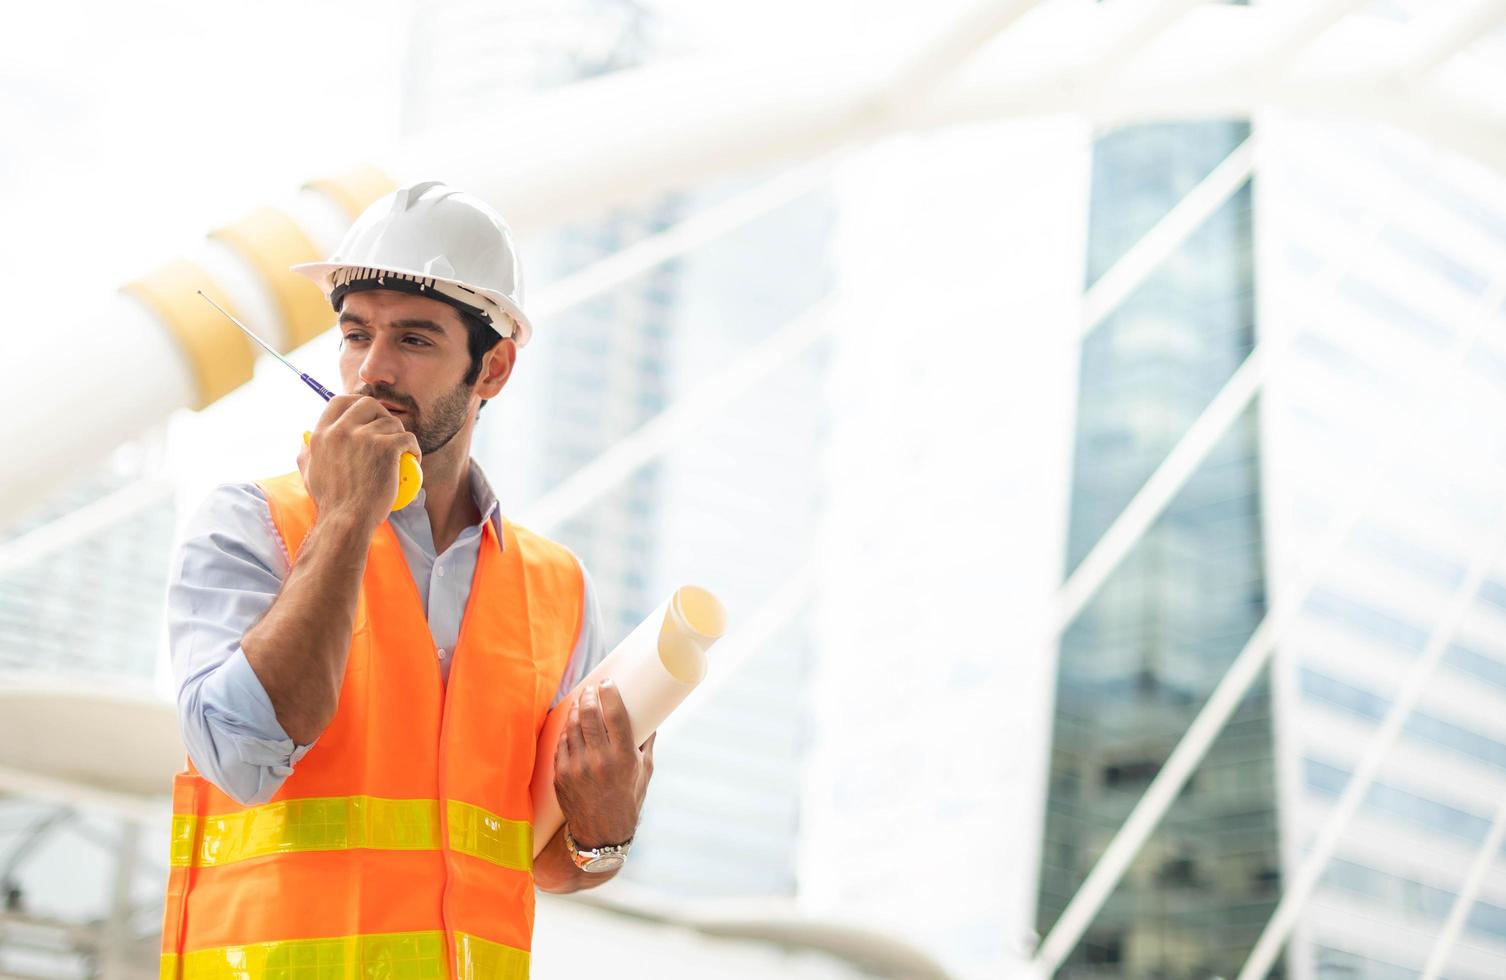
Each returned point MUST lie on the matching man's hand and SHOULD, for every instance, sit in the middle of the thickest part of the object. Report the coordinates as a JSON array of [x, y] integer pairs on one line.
[[600, 776], [351, 466]]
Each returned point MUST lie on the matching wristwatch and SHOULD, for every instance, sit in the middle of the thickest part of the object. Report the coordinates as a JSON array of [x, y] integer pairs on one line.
[[596, 860]]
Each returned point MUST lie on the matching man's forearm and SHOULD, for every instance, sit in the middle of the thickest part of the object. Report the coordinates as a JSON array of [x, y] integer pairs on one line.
[[554, 869], [298, 649]]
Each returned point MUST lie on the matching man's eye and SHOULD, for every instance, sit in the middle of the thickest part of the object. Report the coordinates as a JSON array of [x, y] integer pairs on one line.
[[421, 342], [355, 335]]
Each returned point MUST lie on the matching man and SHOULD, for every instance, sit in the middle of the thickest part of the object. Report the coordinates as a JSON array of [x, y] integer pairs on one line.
[[361, 692]]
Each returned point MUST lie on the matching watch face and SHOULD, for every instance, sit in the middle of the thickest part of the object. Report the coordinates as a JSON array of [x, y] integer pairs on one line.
[[610, 862]]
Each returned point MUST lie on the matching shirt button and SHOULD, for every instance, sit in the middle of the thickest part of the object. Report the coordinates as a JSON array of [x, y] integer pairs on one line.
[[441, 653], [439, 570]]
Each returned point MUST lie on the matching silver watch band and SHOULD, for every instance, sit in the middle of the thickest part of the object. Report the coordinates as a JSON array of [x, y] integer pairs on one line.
[[597, 860]]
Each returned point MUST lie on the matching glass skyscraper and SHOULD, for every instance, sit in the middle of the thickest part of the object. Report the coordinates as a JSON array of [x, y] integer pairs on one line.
[[1366, 265], [1146, 652]]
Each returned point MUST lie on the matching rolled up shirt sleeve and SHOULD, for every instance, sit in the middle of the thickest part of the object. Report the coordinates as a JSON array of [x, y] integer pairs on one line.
[[590, 645], [227, 571]]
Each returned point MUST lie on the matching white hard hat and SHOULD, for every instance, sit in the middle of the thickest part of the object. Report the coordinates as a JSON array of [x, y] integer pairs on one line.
[[430, 239]]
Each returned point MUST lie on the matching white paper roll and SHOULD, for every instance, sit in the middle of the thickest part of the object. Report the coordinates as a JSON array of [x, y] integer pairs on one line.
[[659, 663]]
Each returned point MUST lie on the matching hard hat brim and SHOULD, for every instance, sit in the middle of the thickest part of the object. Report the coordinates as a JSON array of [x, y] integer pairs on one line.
[[322, 274]]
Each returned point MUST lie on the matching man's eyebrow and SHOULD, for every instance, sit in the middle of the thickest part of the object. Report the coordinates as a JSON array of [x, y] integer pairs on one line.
[[418, 324], [412, 323]]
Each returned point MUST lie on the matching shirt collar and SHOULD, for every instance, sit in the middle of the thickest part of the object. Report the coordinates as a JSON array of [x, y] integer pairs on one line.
[[484, 496], [486, 500]]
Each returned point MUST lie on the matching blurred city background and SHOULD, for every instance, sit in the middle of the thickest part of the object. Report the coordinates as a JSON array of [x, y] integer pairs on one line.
[[1093, 416]]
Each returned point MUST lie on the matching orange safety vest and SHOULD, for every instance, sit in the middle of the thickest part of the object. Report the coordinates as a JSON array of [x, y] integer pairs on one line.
[[401, 845]]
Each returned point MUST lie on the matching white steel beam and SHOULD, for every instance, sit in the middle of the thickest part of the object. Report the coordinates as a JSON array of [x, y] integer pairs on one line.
[[873, 951], [677, 125], [1303, 24], [659, 434], [679, 239], [1214, 63], [1464, 902], [1152, 499], [1295, 892], [945, 54], [83, 524], [1449, 32], [1140, 22], [941, 56], [119, 950], [1157, 245]]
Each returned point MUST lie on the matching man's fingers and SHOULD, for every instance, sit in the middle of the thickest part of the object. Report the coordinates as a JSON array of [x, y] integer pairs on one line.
[[397, 443], [350, 412], [648, 757], [562, 749], [572, 730], [385, 424], [592, 725], [615, 713], [363, 410], [346, 412], [335, 409]]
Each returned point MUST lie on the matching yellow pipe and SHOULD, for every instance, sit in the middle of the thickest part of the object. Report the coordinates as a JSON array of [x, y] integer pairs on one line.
[[271, 242], [220, 357], [355, 189]]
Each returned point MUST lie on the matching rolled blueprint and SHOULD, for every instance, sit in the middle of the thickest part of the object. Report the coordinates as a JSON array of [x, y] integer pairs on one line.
[[659, 663]]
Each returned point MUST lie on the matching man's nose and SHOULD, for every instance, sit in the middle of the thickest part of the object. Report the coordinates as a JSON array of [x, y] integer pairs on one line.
[[379, 366]]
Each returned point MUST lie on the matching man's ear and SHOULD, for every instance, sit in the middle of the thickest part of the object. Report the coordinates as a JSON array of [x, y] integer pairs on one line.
[[496, 368]]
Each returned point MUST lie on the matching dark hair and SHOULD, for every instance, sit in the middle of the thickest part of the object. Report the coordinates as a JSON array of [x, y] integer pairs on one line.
[[479, 338]]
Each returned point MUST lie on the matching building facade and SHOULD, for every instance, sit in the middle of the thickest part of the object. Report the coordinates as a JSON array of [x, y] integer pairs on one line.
[[1143, 656], [1381, 264], [1370, 270]]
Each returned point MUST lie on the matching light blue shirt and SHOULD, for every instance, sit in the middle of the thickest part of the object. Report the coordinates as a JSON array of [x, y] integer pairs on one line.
[[227, 571]]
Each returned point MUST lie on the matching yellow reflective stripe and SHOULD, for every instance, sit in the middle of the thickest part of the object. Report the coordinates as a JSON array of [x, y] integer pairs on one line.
[[485, 835], [390, 956], [218, 354], [416, 955], [318, 824], [185, 832], [482, 959], [272, 242], [340, 822], [356, 189]]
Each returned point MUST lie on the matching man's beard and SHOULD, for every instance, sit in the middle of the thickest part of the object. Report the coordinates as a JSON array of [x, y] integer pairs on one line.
[[435, 428]]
